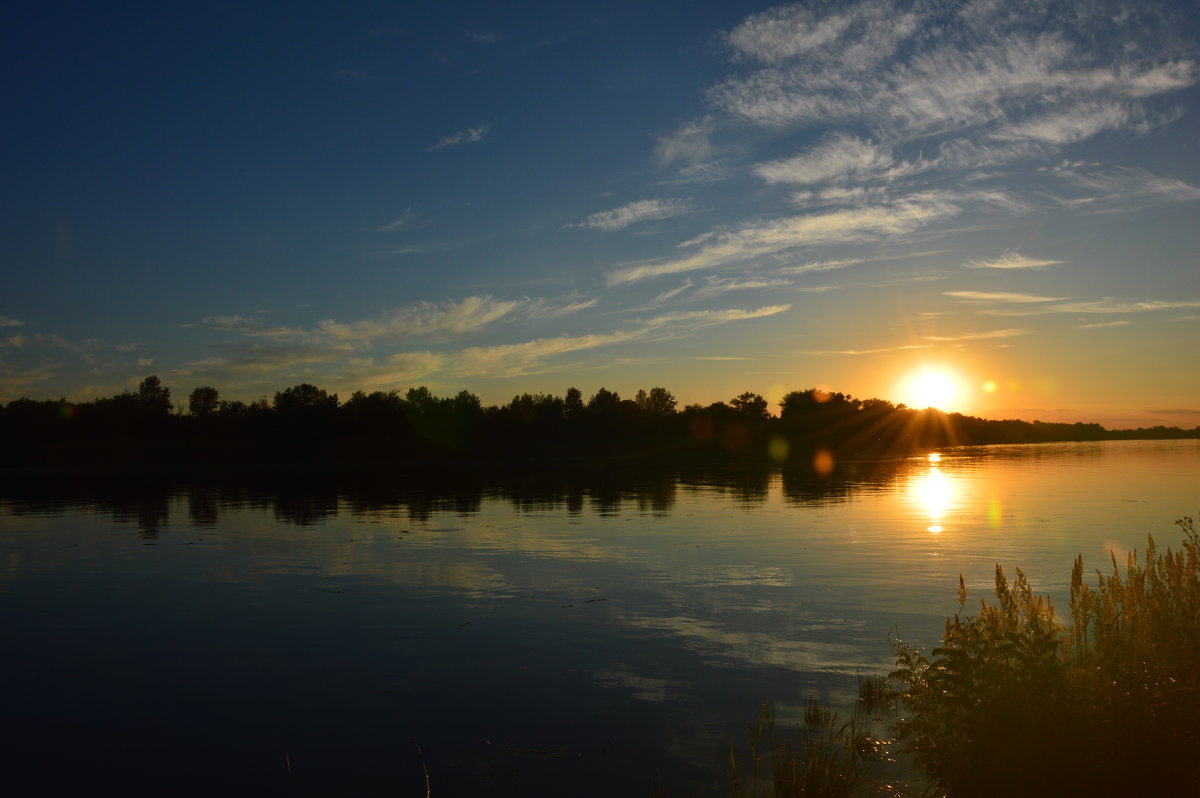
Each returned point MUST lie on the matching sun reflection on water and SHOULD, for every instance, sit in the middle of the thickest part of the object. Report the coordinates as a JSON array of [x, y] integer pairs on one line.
[[934, 493]]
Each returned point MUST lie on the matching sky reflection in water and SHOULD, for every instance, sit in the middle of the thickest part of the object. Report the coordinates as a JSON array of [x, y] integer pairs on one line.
[[625, 626]]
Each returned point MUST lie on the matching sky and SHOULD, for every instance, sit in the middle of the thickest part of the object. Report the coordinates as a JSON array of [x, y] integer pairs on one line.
[[712, 197]]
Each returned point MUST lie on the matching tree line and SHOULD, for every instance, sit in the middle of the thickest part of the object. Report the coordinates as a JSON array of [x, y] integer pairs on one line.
[[305, 424]]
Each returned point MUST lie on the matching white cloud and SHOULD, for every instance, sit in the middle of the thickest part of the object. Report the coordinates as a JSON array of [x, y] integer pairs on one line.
[[1099, 306], [907, 72], [840, 157], [427, 318], [528, 357], [468, 136], [854, 37], [1118, 187], [248, 326], [405, 221], [757, 240], [671, 293], [13, 384], [983, 336], [840, 195], [820, 266], [483, 36], [691, 144], [634, 212], [1103, 324], [1112, 305], [704, 318], [1073, 124], [1001, 296], [539, 355], [722, 285], [903, 348], [1012, 260], [540, 309]]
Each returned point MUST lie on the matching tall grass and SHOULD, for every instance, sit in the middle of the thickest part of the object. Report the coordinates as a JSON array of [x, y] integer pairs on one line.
[[1013, 703], [835, 756]]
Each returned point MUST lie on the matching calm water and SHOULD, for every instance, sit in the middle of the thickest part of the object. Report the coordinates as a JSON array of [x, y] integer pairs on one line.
[[576, 636]]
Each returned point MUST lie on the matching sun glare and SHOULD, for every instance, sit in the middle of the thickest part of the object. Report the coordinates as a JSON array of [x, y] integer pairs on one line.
[[931, 388]]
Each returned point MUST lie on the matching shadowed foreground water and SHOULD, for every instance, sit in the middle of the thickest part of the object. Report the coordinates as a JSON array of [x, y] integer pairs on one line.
[[584, 634]]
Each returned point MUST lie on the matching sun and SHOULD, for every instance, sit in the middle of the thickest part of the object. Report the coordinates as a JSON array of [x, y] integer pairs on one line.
[[931, 387]]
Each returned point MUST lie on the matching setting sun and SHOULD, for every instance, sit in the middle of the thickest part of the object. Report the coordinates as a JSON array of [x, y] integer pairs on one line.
[[937, 388]]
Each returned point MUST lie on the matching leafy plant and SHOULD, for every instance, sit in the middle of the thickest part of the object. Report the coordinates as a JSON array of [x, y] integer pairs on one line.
[[1014, 703]]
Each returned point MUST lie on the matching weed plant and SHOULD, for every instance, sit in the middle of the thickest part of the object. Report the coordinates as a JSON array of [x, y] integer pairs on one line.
[[1013, 703], [836, 758]]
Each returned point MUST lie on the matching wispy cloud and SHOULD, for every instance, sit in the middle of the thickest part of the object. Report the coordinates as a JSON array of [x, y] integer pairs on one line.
[[543, 309], [1112, 305], [1001, 296], [468, 315], [840, 157], [1117, 188], [840, 195], [538, 355], [468, 136], [1098, 306], [689, 145], [1103, 325], [640, 211], [706, 318], [716, 286], [1012, 260], [404, 222], [483, 36], [5, 321], [754, 241], [980, 336], [850, 65], [881, 350], [1073, 124], [248, 325], [820, 266], [15, 382], [983, 84]]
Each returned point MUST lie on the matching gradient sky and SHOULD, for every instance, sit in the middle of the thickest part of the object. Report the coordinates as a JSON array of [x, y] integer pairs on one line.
[[711, 197]]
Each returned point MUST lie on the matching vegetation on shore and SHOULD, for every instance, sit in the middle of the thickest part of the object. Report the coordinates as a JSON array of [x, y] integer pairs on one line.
[[305, 424], [1012, 703]]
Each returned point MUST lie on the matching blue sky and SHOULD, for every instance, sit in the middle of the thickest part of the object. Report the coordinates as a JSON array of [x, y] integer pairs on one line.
[[712, 197]]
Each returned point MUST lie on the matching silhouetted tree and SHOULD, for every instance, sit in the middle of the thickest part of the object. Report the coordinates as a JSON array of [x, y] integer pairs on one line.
[[304, 397], [152, 397], [604, 401], [204, 401], [573, 402], [659, 402], [750, 405]]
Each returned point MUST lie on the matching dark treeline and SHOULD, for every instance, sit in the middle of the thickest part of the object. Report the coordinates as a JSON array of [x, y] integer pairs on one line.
[[305, 425]]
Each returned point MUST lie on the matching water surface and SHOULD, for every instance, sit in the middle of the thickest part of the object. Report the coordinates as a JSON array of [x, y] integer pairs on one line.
[[585, 634]]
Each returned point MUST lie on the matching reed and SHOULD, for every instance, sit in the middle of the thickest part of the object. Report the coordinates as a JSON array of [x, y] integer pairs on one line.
[[835, 758], [1014, 703]]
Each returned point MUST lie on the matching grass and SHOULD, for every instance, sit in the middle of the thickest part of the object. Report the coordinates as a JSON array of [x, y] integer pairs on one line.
[[1013, 703]]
